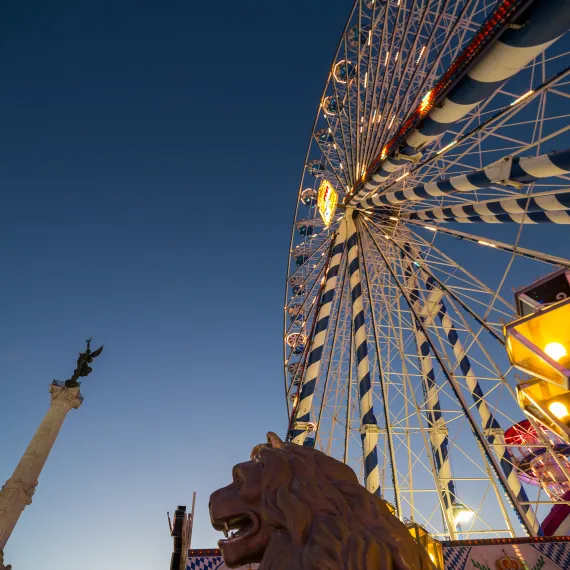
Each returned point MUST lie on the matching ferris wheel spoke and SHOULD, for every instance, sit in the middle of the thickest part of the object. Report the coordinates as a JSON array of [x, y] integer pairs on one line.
[[453, 292], [392, 53], [340, 174], [371, 79], [491, 427], [539, 205], [434, 437], [384, 391], [545, 24], [459, 17], [515, 171], [311, 257], [529, 524], [301, 312], [496, 244], [538, 217], [485, 409], [436, 422], [329, 360], [422, 75], [468, 139], [300, 425], [369, 425]]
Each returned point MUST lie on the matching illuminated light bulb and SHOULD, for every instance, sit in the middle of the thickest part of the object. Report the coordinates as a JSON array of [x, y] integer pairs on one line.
[[446, 147], [555, 350], [432, 557], [425, 102], [522, 97], [463, 515], [421, 53], [559, 410]]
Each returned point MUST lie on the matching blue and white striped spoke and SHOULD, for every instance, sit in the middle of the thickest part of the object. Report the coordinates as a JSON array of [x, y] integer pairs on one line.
[[537, 29], [368, 423], [548, 207], [303, 411], [437, 425], [516, 170], [435, 113], [491, 427]]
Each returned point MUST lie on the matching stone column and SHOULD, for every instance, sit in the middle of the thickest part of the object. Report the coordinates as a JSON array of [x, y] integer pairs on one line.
[[19, 489]]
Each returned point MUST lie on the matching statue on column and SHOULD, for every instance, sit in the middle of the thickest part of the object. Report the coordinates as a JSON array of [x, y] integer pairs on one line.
[[292, 507], [83, 368]]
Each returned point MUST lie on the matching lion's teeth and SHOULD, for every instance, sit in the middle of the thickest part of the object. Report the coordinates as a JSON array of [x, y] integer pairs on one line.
[[226, 529]]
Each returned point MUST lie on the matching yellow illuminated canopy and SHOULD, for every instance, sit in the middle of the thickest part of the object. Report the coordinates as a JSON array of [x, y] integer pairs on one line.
[[539, 344], [547, 403], [327, 201]]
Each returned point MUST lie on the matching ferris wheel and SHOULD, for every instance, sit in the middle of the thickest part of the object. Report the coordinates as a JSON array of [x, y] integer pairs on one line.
[[436, 181]]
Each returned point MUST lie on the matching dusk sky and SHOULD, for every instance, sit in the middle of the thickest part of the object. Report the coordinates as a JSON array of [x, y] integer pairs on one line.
[[151, 154]]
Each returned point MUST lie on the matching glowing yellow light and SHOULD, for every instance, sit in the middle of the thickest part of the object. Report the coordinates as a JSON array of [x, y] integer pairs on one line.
[[559, 410], [327, 201], [393, 219], [421, 53], [425, 102], [446, 147], [402, 177], [463, 515], [488, 244], [555, 350], [522, 97]]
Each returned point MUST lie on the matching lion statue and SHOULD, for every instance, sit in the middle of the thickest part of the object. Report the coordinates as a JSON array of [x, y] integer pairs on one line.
[[294, 508]]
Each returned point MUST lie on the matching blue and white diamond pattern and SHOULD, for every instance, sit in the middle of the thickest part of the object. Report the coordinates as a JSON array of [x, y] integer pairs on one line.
[[204, 563], [455, 557], [558, 552]]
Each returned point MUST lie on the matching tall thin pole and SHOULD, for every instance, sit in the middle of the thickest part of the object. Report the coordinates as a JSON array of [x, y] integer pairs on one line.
[[187, 534]]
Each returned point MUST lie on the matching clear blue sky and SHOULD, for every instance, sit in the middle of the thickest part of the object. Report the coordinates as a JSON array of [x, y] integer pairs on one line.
[[151, 155]]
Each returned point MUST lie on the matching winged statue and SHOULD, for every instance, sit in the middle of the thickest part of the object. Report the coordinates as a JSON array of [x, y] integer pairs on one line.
[[83, 361]]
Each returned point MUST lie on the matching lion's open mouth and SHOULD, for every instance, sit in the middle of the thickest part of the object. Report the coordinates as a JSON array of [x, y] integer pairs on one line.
[[237, 526]]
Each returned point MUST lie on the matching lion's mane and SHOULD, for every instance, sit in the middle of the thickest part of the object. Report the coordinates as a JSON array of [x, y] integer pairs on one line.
[[332, 521]]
